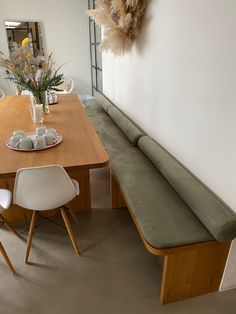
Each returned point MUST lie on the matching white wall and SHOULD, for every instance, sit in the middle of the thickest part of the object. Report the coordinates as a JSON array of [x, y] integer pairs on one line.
[[65, 27], [179, 84]]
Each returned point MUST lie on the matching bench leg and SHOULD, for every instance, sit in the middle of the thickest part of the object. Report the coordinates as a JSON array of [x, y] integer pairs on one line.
[[193, 272], [116, 197]]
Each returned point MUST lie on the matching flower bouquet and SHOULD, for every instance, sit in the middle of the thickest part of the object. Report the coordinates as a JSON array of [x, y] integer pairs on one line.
[[27, 73]]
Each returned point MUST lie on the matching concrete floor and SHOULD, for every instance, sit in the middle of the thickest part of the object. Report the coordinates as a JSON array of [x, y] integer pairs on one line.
[[114, 275]]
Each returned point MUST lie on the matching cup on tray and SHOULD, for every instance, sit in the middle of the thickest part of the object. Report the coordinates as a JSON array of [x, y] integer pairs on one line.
[[19, 132], [25, 143], [50, 138], [40, 130], [15, 139], [39, 142], [51, 130]]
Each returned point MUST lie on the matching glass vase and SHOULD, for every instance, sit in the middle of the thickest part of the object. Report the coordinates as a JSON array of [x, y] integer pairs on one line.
[[41, 98]]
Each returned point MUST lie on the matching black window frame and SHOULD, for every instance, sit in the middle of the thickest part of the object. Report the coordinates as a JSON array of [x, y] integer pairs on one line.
[[94, 42]]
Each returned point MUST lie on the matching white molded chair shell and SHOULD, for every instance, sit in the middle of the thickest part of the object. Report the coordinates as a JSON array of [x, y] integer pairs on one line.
[[68, 86], [71, 84], [25, 92], [2, 94], [44, 188], [5, 199]]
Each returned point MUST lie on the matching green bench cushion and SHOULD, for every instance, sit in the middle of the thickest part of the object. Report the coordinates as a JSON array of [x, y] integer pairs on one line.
[[93, 108], [217, 217], [110, 135], [164, 218], [103, 101], [129, 129]]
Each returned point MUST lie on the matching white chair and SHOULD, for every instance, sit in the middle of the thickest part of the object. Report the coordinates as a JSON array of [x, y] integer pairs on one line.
[[66, 87], [25, 92], [5, 200], [45, 188], [2, 94]]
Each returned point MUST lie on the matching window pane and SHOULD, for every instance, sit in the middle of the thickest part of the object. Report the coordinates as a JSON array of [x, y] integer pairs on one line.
[[91, 2], [99, 87], [93, 60], [96, 55], [98, 34], [99, 57], [94, 78], [91, 24]]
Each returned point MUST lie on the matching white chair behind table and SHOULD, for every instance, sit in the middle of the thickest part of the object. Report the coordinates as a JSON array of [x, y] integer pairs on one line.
[[67, 86], [2, 94], [25, 92], [45, 188], [5, 200]]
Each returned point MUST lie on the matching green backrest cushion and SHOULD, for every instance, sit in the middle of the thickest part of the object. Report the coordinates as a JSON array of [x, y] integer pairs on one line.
[[216, 216], [129, 129], [103, 101]]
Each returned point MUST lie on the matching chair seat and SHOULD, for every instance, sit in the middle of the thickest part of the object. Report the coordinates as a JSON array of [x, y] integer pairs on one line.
[[163, 217], [5, 199]]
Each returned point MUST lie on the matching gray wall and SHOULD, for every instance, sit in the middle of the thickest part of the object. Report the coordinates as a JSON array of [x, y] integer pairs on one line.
[[179, 84]]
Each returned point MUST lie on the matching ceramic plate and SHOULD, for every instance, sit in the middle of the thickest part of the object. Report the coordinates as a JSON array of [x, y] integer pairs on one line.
[[32, 136]]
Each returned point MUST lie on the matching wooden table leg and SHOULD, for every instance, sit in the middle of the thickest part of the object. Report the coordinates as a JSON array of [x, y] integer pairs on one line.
[[83, 201], [116, 197]]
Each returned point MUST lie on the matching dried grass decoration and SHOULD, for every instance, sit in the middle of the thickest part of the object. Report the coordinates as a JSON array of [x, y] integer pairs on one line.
[[121, 20]]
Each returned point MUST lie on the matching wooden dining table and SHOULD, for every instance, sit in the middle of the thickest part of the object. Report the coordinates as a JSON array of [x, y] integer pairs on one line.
[[79, 151]]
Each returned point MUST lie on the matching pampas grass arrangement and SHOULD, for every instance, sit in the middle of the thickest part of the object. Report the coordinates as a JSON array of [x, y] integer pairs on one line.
[[121, 20]]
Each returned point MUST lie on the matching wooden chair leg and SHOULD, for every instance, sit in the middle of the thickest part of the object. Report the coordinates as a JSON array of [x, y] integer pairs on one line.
[[6, 258], [70, 231], [30, 236], [8, 225]]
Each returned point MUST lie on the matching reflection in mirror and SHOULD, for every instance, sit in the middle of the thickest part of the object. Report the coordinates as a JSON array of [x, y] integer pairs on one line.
[[25, 36]]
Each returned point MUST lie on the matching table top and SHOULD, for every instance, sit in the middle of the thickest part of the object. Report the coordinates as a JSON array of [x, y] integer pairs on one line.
[[80, 149]]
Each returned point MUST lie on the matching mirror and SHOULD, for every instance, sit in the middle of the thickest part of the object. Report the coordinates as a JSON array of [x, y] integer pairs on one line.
[[25, 34]]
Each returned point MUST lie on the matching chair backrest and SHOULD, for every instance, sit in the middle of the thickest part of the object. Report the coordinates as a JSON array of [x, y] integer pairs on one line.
[[66, 87], [2, 94], [70, 83], [43, 188], [25, 92]]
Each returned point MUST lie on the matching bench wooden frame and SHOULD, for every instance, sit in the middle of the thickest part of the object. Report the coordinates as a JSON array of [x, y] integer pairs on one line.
[[188, 270]]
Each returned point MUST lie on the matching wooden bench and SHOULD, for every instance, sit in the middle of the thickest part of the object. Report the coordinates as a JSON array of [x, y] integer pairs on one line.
[[176, 215]]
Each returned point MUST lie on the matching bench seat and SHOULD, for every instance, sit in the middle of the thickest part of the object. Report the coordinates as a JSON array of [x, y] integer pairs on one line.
[[175, 214], [163, 217]]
